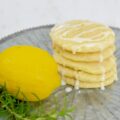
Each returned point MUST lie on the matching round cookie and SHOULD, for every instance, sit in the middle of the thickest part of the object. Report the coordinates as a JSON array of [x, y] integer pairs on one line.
[[107, 82], [86, 57], [90, 67], [82, 36], [84, 76]]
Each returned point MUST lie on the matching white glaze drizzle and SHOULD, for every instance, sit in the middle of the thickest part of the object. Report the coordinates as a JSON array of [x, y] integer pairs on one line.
[[101, 58], [68, 89], [90, 45], [77, 85], [77, 82], [116, 77], [61, 31], [103, 77], [63, 83], [79, 91], [89, 30], [102, 86], [62, 76]]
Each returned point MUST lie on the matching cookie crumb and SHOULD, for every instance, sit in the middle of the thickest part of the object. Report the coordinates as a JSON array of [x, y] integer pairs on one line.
[[68, 89], [79, 91], [63, 82]]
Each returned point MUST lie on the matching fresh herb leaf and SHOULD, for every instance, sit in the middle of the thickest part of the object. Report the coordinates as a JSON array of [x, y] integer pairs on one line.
[[24, 110]]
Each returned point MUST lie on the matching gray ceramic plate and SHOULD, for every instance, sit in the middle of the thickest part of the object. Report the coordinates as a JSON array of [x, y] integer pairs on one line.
[[90, 104]]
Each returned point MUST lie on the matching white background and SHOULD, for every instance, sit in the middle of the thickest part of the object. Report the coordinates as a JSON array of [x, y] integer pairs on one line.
[[20, 14]]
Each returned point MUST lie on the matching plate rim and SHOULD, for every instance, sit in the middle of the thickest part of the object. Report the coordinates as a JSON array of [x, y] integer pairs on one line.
[[9, 36]]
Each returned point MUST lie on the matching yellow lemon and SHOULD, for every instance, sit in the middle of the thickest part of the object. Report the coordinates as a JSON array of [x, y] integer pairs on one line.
[[30, 70]]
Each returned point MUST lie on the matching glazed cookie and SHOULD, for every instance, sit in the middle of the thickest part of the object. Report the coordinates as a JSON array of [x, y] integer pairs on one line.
[[84, 51], [86, 57], [90, 67], [82, 36], [84, 76], [82, 84]]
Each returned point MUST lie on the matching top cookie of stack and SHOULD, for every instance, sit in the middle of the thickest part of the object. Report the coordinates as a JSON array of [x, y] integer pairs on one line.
[[82, 36], [84, 52]]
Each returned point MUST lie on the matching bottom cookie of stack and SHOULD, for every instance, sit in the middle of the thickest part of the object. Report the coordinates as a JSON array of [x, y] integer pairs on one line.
[[81, 79], [84, 76], [82, 84]]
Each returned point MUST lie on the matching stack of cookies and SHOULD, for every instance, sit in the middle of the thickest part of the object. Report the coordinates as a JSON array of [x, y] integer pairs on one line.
[[84, 51]]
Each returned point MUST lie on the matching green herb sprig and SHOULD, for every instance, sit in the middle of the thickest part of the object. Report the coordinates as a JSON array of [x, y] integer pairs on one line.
[[24, 110]]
